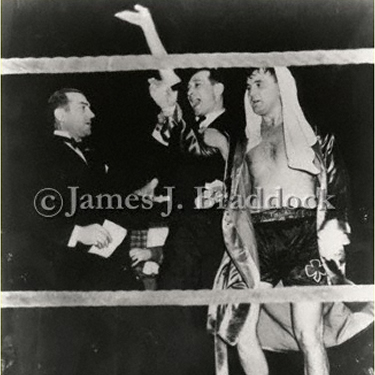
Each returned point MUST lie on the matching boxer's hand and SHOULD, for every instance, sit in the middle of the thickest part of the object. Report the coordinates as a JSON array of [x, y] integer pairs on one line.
[[140, 17]]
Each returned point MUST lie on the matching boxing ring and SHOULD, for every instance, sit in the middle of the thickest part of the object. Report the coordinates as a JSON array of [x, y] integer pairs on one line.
[[90, 64], [29, 299]]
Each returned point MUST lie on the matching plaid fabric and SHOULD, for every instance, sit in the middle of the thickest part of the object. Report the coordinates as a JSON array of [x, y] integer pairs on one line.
[[138, 238]]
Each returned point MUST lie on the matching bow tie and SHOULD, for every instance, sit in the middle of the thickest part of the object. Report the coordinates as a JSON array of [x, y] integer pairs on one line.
[[82, 146]]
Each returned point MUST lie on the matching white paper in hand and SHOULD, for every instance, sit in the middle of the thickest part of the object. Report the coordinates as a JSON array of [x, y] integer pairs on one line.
[[117, 233], [156, 236]]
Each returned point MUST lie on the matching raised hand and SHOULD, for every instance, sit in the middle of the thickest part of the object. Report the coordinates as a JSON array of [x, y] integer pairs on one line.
[[162, 94], [140, 17]]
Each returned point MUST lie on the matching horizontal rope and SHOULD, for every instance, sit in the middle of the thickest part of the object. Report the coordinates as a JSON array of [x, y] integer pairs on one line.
[[91, 64], [32, 299]]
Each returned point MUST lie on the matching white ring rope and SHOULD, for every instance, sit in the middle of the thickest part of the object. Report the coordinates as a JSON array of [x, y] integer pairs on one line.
[[32, 299], [91, 64]]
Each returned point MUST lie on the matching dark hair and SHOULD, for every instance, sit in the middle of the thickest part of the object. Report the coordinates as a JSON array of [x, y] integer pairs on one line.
[[250, 71], [59, 99], [215, 75]]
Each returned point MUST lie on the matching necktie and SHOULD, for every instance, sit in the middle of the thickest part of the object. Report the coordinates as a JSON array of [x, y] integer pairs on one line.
[[200, 120], [165, 132]]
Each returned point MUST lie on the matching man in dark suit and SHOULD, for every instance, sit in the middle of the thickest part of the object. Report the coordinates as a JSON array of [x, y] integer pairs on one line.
[[80, 341], [75, 175], [195, 245]]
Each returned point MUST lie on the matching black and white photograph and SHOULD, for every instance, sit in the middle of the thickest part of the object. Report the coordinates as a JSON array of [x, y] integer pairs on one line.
[[187, 187]]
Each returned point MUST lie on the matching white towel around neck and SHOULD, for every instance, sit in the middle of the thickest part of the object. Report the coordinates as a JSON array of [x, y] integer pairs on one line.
[[298, 134]]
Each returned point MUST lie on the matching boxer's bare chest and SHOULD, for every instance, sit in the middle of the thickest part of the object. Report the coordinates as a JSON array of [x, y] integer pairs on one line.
[[269, 168]]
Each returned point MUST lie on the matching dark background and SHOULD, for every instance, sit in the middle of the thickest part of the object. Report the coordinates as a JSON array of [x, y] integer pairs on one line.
[[334, 98]]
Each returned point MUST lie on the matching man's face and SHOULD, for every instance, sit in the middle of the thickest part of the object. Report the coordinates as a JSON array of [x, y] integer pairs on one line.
[[77, 116], [202, 95], [263, 92]]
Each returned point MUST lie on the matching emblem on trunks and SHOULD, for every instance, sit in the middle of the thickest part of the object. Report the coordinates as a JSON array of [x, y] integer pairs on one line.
[[315, 270]]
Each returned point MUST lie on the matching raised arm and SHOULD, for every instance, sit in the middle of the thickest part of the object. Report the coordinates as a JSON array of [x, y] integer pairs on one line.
[[142, 17]]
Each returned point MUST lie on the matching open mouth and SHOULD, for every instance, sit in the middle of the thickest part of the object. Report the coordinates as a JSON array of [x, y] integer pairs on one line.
[[194, 103]]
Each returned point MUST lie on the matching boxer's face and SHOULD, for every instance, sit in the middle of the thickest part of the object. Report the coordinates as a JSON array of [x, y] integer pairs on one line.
[[263, 92]]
